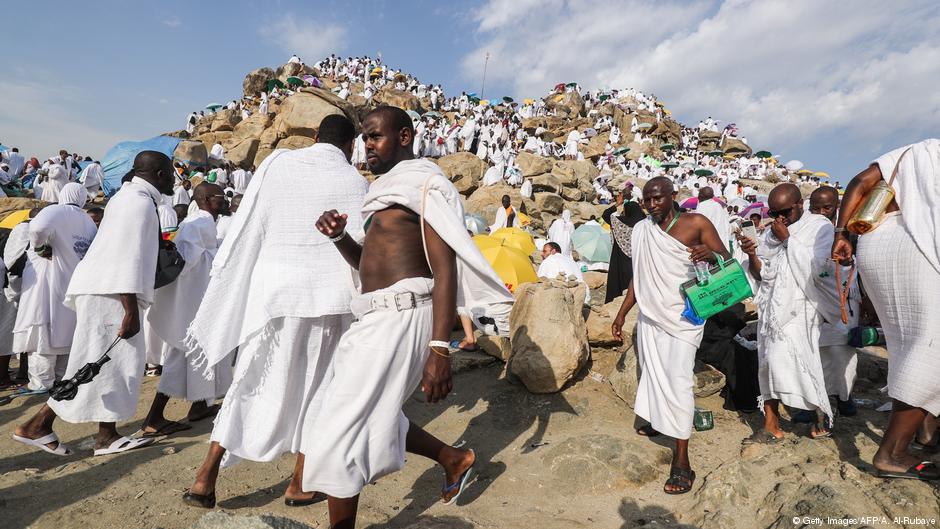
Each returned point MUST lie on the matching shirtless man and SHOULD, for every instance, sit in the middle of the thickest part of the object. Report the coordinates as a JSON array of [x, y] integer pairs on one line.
[[391, 255], [665, 247]]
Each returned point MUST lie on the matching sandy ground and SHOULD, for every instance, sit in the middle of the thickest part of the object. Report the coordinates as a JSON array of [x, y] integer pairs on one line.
[[548, 461]]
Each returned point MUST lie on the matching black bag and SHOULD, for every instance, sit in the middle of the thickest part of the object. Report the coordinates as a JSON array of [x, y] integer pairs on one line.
[[169, 261], [169, 264]]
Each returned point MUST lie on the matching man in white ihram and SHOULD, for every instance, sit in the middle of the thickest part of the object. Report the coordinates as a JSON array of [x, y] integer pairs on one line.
[[288, 290], [560, 232], [716, 213], [59, 236], [791, 253], [555, 264], [92, 177], [109, 289]]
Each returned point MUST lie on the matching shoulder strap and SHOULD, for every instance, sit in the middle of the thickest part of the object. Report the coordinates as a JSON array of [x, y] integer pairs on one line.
[[424, 199], [674, 221], [894, 173]]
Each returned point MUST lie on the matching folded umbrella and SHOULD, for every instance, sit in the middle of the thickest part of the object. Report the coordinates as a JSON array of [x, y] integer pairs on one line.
[[67, 389]]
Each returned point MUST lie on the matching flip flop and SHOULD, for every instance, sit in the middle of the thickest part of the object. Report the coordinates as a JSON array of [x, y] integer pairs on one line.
[[26, 392], [10, 385], [647, 430], [59, 450], [762, 437], [815, 433], [460, 484], [205, 501], [680, 477], [169, 428], [924, 471], [211, 411], [124, 444], [316, 498]]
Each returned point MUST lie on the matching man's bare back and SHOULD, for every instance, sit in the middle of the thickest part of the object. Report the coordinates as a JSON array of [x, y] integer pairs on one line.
[[392, 249]]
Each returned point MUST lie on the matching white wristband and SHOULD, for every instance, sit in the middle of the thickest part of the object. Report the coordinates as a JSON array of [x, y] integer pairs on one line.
[[439, 343], [338, 237]]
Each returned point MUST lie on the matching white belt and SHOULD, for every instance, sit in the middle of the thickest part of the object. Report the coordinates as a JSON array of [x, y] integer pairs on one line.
[[398, 301]]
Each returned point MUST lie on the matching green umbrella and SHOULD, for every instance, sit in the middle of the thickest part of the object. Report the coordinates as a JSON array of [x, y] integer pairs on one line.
[[763, 154], [621, 150], [715, 153], [704, 172], [592, 243], [431, 114], [571, 85], [667, 147], [669, 165], [272, 83], [603, 97], [652, 161], [213, 106], [508, 99], [413, 114], [688, 165], [295, 81]]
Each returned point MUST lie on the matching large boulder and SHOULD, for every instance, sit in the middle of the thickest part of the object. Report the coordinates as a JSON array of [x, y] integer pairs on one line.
[[211, 138], [486, 200], [255, 81], [595, 281], [596, 146], [224, 120], [352, 112], [570, 104], [570, 172], [546, 122], [291, 69], [531, 164], [252, 127], [546, 182], [269, 139], [295, 142], [398, 98], [465, 170], [600, 319], [735, 146], [548, 336], [301, 114], [241, 151], [708, 140], [192, 153], [549, 202]]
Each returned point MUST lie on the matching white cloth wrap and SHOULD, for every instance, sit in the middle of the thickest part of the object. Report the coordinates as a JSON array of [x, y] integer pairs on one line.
[[273, 262], [359, 433], [665, 395], [718, 215], [904, 287], [479, 289], [112, 396], [789, 366]]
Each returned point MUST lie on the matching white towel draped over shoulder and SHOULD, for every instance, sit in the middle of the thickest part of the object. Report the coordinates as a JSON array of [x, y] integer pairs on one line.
[[917, 191], [479, 289], [123, 257], [660, 265], [273, 262], [718, 215]]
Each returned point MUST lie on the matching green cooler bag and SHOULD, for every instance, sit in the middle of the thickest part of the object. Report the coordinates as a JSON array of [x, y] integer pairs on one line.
[[726, 286]]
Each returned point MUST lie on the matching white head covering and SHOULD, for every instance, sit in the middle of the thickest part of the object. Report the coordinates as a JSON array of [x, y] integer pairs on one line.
[[168, 219], [73, 193]]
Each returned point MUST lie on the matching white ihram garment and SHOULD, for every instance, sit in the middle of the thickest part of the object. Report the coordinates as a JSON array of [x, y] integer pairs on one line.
[[560, 232], [286, 289], [719, 218], [174, 307], [121, 260], [789, 366], [666, 343], [92, 177], [558, 264]]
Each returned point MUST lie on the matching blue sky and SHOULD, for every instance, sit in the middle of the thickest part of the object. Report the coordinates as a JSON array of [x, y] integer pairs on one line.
[[833, 84]]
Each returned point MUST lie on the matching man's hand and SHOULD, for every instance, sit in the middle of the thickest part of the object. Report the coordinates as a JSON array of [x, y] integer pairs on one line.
[[332, 223], [700, 252], [130, 326], [842, 249], [616, 328], [437, 381], [780, 230], [748, 245]]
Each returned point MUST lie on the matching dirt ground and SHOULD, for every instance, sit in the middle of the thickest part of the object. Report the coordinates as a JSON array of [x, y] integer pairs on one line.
[[566, 460]]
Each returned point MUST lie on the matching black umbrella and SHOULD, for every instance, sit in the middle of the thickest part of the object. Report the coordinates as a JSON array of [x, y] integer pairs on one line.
[[67, 389]]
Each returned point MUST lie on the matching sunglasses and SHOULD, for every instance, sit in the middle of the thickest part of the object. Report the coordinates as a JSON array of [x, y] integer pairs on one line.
[[774, 213]]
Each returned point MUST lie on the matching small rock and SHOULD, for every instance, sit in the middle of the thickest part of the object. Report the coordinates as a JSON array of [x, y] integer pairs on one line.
[[169, 450]]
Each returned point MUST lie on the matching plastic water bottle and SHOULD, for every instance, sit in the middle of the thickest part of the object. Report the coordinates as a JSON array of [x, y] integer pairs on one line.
[[701, 272]]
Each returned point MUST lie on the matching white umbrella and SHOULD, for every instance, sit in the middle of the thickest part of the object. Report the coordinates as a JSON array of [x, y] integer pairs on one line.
[[794, 165]]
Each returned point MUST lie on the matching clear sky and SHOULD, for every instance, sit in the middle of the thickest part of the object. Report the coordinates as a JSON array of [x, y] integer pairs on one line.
[[834, 84]]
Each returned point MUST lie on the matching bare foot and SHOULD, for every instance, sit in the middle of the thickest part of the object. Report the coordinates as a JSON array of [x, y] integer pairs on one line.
[[894, 462]]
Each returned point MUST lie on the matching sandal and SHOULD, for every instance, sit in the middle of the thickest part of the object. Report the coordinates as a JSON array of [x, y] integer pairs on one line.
[[819, 432], [459, 485], [206, 501], [762, 437], [171, 427], [59, 450], [680, 477], [647, 430], [303, 502], [924, 471], [123, 444]]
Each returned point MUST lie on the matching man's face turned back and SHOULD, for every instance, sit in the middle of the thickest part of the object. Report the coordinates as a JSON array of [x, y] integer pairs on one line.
[[383, 143]]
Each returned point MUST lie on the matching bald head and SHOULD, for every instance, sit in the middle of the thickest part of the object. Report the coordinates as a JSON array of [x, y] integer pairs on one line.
[[156, 168], [824, 201], [209, 198], [785, 194], [661, 183], [706, 193], [786, 201], [658, 196]]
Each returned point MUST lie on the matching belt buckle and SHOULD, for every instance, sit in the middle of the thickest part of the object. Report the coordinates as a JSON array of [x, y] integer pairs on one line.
[[399, 306]]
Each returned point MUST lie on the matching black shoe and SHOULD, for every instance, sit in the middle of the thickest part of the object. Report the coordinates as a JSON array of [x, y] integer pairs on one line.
[[206, 501]]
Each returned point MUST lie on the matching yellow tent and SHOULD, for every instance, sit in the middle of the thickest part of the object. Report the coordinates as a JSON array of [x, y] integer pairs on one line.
[[11, 220]]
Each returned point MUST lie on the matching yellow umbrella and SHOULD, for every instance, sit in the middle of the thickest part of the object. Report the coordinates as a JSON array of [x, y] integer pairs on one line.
[[511, 265], [821, 174], [804, 171], [484, 242], [524, 220], [667, 112], [605, 226], [11, 220], [528, 101], [485, 102], [515, 238], [728, 157]]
